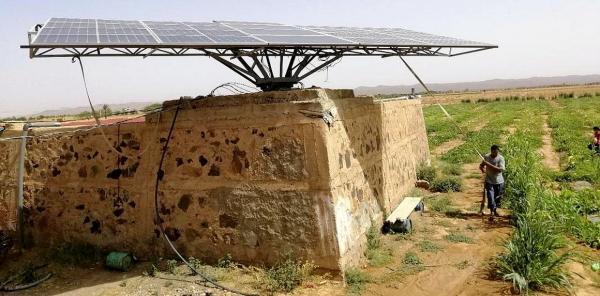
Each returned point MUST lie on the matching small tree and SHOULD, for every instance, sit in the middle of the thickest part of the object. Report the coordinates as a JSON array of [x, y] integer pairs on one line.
[[106, 111]]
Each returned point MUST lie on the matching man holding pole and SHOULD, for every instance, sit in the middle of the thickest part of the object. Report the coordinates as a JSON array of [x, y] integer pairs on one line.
[[492, 166]]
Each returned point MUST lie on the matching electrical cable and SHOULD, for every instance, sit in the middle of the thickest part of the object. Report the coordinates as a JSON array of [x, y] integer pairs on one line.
[[159, 176], [98, 123]]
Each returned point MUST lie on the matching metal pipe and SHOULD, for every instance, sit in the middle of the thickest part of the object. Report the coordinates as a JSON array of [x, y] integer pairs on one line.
[[21, 172]]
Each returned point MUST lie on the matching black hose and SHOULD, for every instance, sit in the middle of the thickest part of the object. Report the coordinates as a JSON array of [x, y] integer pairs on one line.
[[26, 286], [159, 176]]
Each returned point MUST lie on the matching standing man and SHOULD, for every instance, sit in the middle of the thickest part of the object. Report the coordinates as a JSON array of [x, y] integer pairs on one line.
[[492, 166], [595, 145]]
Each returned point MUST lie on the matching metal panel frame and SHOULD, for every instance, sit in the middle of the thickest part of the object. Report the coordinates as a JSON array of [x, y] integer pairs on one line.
[[296, 61]]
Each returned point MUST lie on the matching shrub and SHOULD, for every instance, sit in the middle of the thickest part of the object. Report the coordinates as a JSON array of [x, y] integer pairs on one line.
[[452, 169], [225, 261], [411, 258], [285, 276], [376, 254], [457, 237], [429, 246], [356, 280], [530, 260], [425, 172], [446, 184], [440, 204]]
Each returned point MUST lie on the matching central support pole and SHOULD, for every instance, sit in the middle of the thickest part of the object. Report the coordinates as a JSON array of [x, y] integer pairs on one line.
[[250, 66]]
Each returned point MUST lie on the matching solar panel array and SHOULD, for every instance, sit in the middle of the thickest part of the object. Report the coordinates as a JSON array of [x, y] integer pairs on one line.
[[73, 32]]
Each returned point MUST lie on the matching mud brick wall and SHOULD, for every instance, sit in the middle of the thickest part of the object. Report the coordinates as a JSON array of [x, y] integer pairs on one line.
[[374, 149], [255, 176], [8, 161]]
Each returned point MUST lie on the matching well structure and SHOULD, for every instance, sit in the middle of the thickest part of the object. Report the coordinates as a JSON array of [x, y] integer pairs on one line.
[[257, 176]]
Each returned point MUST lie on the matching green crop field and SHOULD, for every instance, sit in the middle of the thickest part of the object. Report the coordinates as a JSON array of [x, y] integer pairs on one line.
[[548, 213]]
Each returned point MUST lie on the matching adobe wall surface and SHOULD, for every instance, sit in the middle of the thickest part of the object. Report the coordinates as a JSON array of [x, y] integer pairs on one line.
[[374, 149], [255, 176]]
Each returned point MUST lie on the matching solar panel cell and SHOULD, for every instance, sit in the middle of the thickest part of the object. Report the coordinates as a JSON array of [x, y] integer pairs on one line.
[[67, 31]]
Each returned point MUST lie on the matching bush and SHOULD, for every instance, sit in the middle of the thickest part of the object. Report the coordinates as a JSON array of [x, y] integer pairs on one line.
[[530, 260], [376, 254], [446, 184], [225, 261], [288, 274], [425, 172], [440, 204], [429, 246], [411, 258], [452, 169], [356, 280], [457, 237]]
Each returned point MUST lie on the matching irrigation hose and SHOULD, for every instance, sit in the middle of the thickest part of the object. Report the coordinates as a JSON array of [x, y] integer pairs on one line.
[[159, 176]]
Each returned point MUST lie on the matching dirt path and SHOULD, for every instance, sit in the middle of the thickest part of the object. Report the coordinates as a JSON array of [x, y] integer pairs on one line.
[[550, 157], [458, 268]]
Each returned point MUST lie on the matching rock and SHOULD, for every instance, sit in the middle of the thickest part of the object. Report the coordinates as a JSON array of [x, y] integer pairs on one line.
[[580, 185], [422, 184]]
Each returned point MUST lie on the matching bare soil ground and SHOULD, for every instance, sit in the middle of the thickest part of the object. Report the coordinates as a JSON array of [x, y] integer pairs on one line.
[[456, 268], [551, 158]]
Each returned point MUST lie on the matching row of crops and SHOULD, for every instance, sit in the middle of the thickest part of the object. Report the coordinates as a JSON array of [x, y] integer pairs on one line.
[[546, 222], [496, 117], [440, 129], [572, 131], [535, 255]]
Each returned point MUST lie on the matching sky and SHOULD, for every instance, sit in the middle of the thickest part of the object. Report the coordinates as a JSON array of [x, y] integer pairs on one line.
[[535, 38]]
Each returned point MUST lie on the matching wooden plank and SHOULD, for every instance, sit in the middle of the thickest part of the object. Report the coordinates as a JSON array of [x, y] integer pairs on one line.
[[406, 207]]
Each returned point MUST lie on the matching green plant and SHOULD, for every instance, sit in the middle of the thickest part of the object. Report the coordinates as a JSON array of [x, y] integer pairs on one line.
[[356, 280], [429, 246], [411, 258], [530, 259], [288, 274], [440, 204], [446, 184], [151, 271], [425, 172], [452, 169], [225, 261], [373, 238], [457, 237], [376, 254], [172, 266]]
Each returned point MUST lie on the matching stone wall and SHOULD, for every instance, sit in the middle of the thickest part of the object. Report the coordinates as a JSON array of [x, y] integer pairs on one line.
[[255, 176]]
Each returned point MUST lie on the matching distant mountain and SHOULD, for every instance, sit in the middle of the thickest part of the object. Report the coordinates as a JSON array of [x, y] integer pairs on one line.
[[77, 110], [480, 85]]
